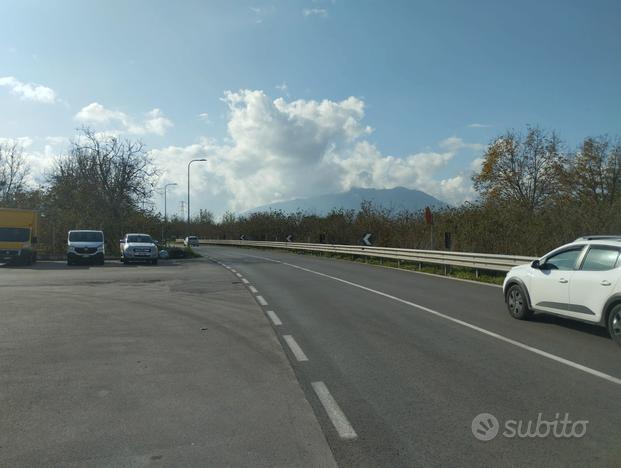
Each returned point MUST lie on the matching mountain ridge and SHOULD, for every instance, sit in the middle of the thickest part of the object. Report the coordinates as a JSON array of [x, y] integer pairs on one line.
[[397, 198]]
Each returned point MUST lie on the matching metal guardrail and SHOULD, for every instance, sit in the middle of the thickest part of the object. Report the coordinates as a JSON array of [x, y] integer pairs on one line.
[[477, 261]]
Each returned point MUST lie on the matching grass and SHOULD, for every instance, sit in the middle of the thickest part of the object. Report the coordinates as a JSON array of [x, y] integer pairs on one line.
[[189, 253]]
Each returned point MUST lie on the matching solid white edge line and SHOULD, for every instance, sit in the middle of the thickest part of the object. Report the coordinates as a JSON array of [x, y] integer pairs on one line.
[[295, 348], [253, 290], [274, 318], [553, 357], [261, 300], [336, 415]]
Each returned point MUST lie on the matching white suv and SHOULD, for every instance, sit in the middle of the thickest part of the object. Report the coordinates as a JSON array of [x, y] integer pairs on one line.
[[140, 248], [581, 281]]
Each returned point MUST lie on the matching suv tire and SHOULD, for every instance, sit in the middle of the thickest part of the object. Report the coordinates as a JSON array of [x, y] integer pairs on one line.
[[614, 324], [517, 304]]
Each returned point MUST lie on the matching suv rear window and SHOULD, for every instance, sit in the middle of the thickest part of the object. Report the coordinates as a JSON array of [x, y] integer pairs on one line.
[[600, 258]]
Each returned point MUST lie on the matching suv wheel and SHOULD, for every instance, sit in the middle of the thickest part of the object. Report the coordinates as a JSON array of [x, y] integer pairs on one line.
[[614, 324], [516, 303]]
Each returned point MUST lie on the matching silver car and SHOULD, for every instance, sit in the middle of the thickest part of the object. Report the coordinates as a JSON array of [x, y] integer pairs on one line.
[[138, 248]]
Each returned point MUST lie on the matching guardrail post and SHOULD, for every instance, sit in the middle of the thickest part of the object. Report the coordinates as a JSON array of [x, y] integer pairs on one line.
[[398, 263], [476, 272]]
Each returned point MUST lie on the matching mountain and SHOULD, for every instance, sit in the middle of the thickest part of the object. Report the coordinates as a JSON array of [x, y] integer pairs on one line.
[[398, 198]]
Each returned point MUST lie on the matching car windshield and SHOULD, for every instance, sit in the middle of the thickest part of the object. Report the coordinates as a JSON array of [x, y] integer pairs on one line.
[[86, 236], [8, 234], [140, 238]]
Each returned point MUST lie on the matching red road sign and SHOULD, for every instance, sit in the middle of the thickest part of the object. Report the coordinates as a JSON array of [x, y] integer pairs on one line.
[[428, 216]]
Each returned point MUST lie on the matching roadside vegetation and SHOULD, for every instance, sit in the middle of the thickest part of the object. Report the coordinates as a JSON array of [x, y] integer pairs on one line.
[[534, 193]]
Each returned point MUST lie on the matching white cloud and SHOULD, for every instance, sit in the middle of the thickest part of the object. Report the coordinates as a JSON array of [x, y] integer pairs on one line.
[[478, 125], [25, 141], [204, 116], [283, 88], [476, 164], [96, 113], [455, 144], [57, 140], [279, 149], [154, 121], [38, 159], [322, 12], [29, 91]]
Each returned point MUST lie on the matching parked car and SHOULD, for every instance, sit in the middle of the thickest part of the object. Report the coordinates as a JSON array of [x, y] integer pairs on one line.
[[138, 248], [85, 246], [580, 281], [191, 241]]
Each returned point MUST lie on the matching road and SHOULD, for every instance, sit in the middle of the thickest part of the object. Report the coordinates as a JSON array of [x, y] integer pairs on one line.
[[410, 359], [131, 366]]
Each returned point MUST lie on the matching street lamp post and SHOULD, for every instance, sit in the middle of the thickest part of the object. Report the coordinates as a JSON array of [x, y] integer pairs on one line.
[[164, 230], [193, 160]]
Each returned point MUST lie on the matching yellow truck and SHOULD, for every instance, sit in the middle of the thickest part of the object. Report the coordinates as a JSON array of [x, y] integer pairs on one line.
[[18, 236]]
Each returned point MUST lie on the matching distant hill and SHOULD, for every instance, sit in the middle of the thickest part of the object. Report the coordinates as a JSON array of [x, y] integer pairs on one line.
[[398, 198]]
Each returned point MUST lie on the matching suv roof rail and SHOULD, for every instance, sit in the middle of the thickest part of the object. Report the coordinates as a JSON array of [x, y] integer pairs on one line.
[[604, 237]]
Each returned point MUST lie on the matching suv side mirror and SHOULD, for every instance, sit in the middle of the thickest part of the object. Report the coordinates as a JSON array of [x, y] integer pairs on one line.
[[122, 241], [536, 265]]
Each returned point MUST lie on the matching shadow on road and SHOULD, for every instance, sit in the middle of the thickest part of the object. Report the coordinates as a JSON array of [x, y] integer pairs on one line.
[[571, 324]]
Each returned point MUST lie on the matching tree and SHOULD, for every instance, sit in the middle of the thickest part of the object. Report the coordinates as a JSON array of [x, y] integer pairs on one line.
[[595, 171], [521, 169], [103, 182], [13, 171]]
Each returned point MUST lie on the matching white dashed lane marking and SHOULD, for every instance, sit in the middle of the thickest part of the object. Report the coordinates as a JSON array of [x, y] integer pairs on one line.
[[336, 415], [295, 348], [274, 318]]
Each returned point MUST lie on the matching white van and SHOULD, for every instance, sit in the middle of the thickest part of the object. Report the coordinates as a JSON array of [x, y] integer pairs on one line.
[[85, 245]]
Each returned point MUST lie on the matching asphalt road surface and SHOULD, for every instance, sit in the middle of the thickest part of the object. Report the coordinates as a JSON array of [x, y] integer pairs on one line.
[[132, 366], [397, 365]]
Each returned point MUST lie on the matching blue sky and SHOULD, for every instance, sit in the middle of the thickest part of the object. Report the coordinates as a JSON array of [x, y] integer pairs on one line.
[[419, 74]]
